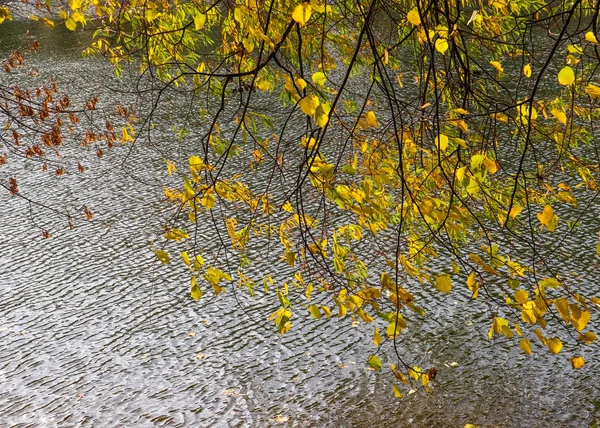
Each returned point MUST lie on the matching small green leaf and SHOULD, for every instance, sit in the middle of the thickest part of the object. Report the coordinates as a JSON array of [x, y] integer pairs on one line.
[[375, 362], [314, 311]]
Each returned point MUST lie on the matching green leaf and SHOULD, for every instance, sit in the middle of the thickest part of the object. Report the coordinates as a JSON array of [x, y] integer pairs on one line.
[[314, 311], [375, 362]]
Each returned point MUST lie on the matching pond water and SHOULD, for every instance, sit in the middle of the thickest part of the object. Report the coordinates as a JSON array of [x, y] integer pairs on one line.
[[93, 333]]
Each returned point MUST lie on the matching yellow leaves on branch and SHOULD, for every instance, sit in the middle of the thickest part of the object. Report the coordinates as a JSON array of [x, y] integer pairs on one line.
[[500, 326], [527, 70], [301, 13], [566, 76]]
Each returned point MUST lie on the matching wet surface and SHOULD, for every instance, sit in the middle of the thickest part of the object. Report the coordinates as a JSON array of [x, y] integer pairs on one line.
[[94, 333]]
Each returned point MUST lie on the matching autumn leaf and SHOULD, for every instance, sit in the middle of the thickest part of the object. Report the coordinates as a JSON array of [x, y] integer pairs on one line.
[[566, 76], [441, 142], [377, 337], [547, 218], [375, 362], [497, 66], [413, 17], [319, 78], [301, 13], [163, 256], [525, 345], [195, 291], [371, 119], [577, 361], [593, 91], [309, 104], [444, 283], [441, 45], [555, 345], [199, 21], [591, 37], [527, 70]]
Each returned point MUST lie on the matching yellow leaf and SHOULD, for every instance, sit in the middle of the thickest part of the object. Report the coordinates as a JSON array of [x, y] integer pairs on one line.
[[163, 256], [441, 142], [314, 311], [413, 17], [317, 6], [377, 337], [527, 70], [460, 111], [397, 391], [491, 165], [593, 91], [591, 37], [371, 119], [71, 24], [198, 262], [547, 218], [319, 78], [300, 82], [301, 13], [497, 66], [75, 4], [322, 114], [185, 258], [539, 335], [521, 296], [515, 210], [444, 283], [199, 20], [472, 284], [441, 45], [171, 168], [525, 345], [559, 115], [309, 104], [415, 372], [48, 23], [577, 361], [195, 291], [554, 344], [566, 76], [580, 322], [587, 337]]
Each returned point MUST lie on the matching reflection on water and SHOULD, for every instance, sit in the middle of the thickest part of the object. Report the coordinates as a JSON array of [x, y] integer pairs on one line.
[[92, 334]]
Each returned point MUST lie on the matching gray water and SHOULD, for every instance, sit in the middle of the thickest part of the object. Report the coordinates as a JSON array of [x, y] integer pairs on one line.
[[93, 332]]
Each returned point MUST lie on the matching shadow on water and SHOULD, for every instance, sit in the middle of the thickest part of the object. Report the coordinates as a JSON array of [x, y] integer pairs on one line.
[[90, 336]]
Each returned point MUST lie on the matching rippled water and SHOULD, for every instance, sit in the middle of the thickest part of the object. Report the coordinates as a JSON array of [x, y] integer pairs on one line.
[[92, 333]]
